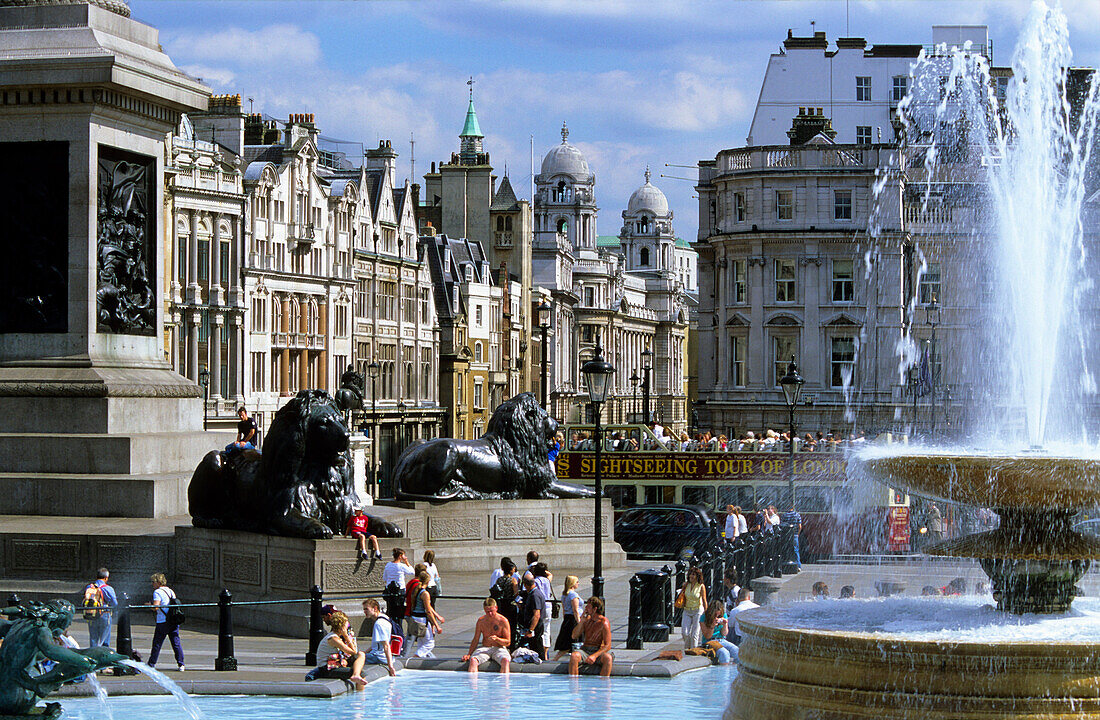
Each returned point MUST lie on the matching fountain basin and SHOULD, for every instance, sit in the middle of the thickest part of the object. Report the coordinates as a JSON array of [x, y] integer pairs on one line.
[[915, 658], [1026, 481]]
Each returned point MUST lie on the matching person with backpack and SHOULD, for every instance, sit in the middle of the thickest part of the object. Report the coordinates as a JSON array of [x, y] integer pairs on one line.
[[99, 599], [503, 587], [169, 618]]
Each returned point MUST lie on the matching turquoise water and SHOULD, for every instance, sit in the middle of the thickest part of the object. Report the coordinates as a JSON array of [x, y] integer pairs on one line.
[[700, 694]]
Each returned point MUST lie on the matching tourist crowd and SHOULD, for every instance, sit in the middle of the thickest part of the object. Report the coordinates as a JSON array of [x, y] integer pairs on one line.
[[672, 440]]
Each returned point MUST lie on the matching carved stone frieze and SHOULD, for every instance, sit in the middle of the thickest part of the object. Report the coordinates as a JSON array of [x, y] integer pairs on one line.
[[520, 528], [572, 526], [39, 555], [288, 574], [455, 528], [240, 568]]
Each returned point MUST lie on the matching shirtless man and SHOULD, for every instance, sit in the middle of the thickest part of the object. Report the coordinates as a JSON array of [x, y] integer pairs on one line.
[[492, 627], [594, 632]]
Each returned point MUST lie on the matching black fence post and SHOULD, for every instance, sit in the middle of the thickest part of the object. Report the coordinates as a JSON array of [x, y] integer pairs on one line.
[[775, 568], [634, 619], [790, 536], [316, 631], [225, 659], [124, 641]]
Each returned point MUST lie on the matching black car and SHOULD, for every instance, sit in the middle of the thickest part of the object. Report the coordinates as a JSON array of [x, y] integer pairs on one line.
[[672, 531]]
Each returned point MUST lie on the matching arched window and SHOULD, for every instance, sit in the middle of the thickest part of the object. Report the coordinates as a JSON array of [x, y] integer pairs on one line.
[[643, 256], [560, 195], [563, 226], [311, 319], [500, 223], [508, 224], [477, 352], [295, 315], [643, 224], [276, 314]]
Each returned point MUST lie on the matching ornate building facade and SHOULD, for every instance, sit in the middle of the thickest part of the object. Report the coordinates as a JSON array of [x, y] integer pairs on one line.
[[627, 293]]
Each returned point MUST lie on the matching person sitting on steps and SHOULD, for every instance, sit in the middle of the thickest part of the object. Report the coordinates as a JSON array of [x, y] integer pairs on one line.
[[358, 528]]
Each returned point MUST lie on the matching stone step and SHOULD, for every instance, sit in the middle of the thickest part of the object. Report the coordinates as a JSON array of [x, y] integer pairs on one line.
[[94, 453], [151, 495]]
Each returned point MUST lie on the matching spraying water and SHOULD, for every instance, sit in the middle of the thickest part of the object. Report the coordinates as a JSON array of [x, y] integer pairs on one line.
[[165, 682], [1006, 161], [101, 695]]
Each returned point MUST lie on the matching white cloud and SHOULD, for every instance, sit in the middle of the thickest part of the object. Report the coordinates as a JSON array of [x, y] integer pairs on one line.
[[273, 44]]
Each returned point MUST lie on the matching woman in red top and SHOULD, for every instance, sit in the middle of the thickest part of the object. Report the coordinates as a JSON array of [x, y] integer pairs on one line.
[[357, 528]]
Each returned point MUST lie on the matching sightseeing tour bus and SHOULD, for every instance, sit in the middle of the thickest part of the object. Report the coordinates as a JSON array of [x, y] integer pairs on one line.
[[638, 469]]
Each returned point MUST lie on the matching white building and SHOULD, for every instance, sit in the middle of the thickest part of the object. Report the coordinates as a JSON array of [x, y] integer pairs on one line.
[[855, 86]]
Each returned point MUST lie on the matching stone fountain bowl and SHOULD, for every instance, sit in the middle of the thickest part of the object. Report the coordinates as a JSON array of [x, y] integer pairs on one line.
[[794, 672], [1026, 481]]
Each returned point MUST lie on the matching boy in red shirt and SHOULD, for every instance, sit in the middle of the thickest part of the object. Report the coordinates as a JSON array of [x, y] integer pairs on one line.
[[357, 528]]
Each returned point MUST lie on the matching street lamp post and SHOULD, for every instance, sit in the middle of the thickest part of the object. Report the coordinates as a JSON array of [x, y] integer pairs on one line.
[[634, 380], [204, 380], [401, 408], [544, 325], [792, 391], [932, 318], [647, 367], [373, 370], [597, 375]]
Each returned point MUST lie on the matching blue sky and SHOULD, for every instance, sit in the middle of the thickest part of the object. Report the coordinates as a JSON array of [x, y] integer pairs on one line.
[[659, 81]]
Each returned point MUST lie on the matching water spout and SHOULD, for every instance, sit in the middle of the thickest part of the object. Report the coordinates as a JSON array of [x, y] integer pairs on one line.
[[101, 695], [165, 682]]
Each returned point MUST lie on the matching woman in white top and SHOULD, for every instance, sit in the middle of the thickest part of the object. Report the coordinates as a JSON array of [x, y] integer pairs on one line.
[[742, 523], [342, 643], [429, 565]]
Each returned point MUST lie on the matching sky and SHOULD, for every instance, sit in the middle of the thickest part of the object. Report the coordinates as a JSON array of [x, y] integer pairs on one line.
[[658, 82]]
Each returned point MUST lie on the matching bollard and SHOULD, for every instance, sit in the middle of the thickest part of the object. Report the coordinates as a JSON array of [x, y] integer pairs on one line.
[[775, 554], [653, 611], [225, 659], [668, 593], [124, 642], [634, 618], [790, 537], [316, 631]]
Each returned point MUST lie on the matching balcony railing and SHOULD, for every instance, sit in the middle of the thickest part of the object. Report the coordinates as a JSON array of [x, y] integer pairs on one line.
[[503, 238], [298, 234], [802, 157]]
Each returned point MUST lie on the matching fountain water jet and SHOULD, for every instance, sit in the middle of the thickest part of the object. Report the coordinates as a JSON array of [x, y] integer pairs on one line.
[[165, 682]]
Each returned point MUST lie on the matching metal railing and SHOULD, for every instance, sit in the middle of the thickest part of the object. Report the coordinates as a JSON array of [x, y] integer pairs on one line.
[[653, 614]]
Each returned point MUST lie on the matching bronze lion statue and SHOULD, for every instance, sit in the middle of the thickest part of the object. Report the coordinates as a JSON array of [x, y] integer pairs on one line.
[[509, 461], [299, 487]]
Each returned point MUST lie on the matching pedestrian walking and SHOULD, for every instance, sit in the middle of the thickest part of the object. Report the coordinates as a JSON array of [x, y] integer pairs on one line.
[[168, 621], [99, 599]]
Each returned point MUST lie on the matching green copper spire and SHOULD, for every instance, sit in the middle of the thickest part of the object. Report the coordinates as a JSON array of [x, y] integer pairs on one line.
[[471, 129]]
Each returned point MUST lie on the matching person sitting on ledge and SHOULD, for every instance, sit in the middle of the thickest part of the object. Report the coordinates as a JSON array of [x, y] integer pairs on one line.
[[847, 592], [357, 528], [246, 433], [381, 652], [594, 632], [819, 589], [492, 636], [337, 648]]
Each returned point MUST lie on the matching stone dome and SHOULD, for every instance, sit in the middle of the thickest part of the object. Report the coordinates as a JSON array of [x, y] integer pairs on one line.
[[565, 159], [648, 197]]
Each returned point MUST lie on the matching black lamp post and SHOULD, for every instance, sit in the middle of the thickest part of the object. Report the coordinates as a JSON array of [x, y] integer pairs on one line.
[[647, 367], [792, 391], [401, 408], [597, 375], [204, 380], [544, 325], [373, 370], [932, 318], [634, 380]]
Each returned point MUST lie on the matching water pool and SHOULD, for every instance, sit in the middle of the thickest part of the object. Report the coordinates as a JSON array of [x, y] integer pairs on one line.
[[445, 695]]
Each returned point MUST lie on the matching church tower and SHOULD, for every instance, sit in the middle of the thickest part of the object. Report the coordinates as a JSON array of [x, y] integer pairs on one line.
[[647, 239]]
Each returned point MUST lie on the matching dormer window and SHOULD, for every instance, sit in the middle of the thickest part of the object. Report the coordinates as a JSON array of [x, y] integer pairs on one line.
[[469, 273]]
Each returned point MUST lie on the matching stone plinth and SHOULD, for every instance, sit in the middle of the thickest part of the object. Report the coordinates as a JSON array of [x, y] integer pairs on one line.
[[88, 97], [467, 536]]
